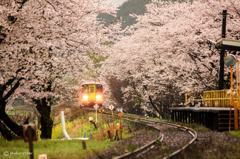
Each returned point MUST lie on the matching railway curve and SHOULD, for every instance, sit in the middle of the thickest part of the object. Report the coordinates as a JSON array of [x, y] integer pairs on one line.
[[184, 133]]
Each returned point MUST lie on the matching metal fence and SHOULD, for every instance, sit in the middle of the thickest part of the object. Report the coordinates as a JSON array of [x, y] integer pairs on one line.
[[216, 98]]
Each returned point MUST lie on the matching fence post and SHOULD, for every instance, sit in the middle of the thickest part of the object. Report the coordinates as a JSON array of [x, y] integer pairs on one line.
[[185, 99], [116, 137], [109, 134], [30, 135], [84, 144], [120, 115], [96, 108], [111, 107], [236, 115]]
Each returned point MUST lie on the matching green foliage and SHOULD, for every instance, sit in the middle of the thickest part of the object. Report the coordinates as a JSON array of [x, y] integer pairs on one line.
[[87, 128], [185, 143], [164, 147], [197, 127], [159, 143], [96, 59], [235, 133], [194, 126], [132, 147], [137, 97], [38, 134], [107, 43], [57, 132]]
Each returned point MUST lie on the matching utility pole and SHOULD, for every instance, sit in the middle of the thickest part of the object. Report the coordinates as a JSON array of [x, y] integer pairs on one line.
[[221, 80]]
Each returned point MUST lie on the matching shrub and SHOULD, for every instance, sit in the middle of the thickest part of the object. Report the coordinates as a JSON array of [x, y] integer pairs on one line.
[[57, 132]]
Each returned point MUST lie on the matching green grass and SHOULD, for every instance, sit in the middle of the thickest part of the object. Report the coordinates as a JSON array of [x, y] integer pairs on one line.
[[194, 126], [159, 143], [132, 147], [156, 119], [57, 132], [18, 107], [53, 106], [235, 133], [87, 128], [55, 122], [16, 110], [197, 127], [146, 117], [21, 110], [59, 149], [164, 147]]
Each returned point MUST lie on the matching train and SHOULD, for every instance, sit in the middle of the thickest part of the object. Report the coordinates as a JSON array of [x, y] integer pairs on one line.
[[91, 93]]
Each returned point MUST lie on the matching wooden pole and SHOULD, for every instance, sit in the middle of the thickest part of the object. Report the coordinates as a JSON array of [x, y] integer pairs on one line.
[[84, 144], [236, 115], [109, 134], [221, 74], [102, 116], [112, 118], [230, 116], [30, 134], [120, 130], [96, 115]]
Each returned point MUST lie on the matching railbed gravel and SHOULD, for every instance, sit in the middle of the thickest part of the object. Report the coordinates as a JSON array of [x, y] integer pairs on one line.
[[173, 140], [210, 144]]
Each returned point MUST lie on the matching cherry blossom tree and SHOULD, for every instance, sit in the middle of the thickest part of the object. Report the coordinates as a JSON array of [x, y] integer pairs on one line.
[[42, 50], [53, 81], [168, 52]]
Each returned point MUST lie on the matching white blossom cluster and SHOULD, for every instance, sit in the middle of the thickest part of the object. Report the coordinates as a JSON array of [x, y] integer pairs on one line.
[[169, 46], [45, 45]]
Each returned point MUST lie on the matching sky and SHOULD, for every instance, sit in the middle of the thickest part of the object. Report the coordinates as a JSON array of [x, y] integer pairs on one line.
[[117, 1]]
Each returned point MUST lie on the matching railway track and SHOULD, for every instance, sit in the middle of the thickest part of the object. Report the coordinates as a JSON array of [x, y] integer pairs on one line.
[[142, 150], [184, 133], [156, 124]]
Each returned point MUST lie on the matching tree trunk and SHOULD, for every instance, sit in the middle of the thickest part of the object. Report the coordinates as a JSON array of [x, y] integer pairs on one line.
[[46, 127], [13, 126], [46, 121], [6, 133]]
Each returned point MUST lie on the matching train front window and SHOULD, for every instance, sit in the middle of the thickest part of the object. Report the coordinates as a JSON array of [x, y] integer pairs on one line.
[[98, 88], [85, 88], [91, 89]]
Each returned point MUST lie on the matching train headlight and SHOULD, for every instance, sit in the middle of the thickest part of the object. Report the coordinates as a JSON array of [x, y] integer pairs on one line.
[[99, 97], [85, 97]]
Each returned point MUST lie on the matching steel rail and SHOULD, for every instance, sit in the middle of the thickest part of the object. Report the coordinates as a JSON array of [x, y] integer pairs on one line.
[[148, 146], [145, 148], [184, 128]]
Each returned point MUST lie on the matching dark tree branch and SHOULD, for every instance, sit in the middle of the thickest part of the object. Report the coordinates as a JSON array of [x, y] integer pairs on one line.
[[12, 90]]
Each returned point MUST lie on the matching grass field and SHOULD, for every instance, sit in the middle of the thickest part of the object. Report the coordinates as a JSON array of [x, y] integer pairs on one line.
[[59, 149], [235, 133], [77, 125], [23, 110]]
